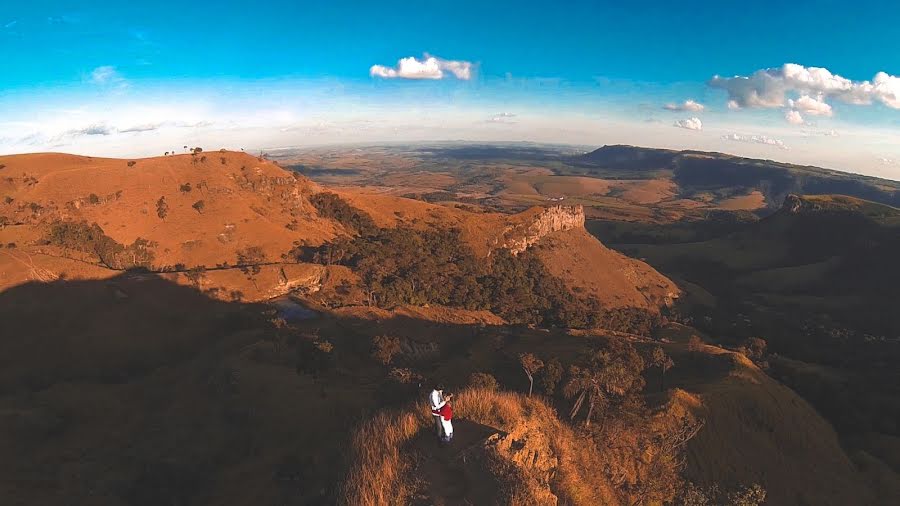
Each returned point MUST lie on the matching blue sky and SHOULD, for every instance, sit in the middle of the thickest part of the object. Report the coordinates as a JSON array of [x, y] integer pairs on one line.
[[132, 79]]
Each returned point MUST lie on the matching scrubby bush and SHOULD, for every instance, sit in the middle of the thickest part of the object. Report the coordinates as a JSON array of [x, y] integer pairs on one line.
[[162, 208], [483, 380]]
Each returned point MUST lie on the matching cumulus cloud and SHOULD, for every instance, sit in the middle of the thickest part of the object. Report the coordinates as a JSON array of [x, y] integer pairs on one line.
[[689, 123], [755, 139], [687, 105], [429, 67], [814, 106], [775, 87], [793, 117]]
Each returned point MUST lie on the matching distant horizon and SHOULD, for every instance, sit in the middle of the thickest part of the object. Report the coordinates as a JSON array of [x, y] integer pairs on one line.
[[587, 148], [137, 80]]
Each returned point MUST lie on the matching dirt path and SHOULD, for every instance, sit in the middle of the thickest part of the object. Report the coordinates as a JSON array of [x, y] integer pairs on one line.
[[445, 481]]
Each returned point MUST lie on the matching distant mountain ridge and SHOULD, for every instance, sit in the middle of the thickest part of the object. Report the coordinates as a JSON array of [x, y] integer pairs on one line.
[[698, 171]]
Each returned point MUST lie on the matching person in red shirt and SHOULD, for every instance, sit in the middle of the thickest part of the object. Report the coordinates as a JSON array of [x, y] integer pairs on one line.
[[446, 414]]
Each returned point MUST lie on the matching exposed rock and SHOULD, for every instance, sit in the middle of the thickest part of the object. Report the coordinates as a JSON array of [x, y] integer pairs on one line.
[[539, 223]]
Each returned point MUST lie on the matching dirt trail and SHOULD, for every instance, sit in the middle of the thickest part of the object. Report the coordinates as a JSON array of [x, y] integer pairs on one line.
[[442, 471]]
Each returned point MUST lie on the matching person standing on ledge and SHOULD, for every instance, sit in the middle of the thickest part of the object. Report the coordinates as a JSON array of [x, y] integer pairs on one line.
[[436, 401], [446, 413]]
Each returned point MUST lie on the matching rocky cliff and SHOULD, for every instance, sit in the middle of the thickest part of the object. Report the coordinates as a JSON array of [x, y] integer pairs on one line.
[[537, 223]]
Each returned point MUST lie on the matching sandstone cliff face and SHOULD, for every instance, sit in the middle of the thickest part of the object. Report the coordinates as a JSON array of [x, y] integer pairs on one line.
[[539, 223]]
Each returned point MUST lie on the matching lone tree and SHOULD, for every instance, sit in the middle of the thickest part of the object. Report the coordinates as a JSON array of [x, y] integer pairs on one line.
[[531, 365], [249, 261], [198, 206], [756, 348], [609, 376], [196, 275], [664, 362], [384, 348], [162, 208]]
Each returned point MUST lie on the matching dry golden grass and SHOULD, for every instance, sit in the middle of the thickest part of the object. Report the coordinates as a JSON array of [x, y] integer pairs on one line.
[[380, 471]]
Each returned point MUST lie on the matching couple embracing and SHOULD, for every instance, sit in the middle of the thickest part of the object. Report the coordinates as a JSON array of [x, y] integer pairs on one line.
[[442, 412]]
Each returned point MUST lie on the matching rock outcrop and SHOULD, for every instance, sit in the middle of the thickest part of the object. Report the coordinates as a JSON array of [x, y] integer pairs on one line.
[[537, 223]]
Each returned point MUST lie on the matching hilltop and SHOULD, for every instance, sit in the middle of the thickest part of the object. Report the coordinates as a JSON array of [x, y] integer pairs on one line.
[[696, 172], [238, 226]]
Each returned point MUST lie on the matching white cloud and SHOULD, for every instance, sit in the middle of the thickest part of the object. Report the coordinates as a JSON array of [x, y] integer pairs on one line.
[[687, 105], [755, 139], [814, 106], [503, 117], [430, 67], [820, 133], [793, 117], [107, 76], [689, 123], [97, 129], [774, 87]]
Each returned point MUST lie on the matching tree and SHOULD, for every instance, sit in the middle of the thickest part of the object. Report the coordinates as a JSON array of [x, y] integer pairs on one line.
[[185, 188], [162, 208], [196, 275], [198, 206], [756, 348], [385, 347], [659, 359], [552, 374], [249, 261], [610, 375], [531, 365]]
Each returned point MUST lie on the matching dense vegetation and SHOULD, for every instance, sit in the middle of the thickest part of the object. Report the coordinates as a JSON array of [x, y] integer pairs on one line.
[[90, 239], [333, 207], [406, 266]]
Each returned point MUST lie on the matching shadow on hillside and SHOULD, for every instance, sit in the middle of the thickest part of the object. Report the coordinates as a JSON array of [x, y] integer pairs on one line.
[[135, 390]]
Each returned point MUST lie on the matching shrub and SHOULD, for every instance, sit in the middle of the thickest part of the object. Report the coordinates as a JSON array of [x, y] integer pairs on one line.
[[162, 208], [185, 188], [198, 206], [131, 163], [93, 199], [483, 380]]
